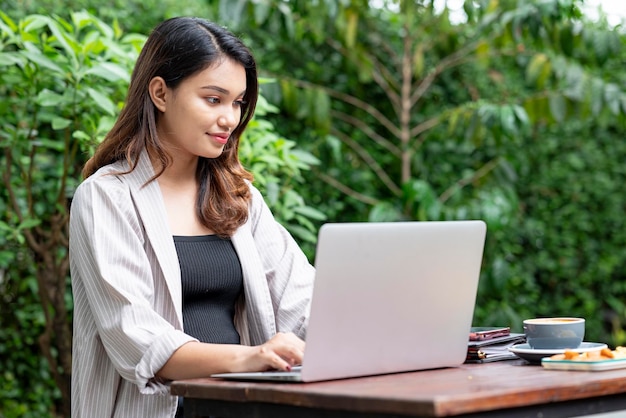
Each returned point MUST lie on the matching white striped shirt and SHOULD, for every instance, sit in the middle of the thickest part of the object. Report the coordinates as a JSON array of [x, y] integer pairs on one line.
[[127, 291]]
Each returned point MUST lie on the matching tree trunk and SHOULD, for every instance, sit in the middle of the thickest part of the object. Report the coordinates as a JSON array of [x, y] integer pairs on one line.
[[56, 341]]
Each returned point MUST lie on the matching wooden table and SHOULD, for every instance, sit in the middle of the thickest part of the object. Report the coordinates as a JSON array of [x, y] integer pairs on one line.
[[501, 389]]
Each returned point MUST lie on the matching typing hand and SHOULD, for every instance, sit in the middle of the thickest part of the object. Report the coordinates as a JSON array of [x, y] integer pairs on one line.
[[281, 352]]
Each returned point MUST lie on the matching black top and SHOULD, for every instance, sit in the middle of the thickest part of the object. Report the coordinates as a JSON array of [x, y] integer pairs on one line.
[[212, 281]]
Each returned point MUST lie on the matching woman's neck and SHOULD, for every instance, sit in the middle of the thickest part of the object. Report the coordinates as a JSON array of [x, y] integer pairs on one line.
[[181, 171], [179, 188]]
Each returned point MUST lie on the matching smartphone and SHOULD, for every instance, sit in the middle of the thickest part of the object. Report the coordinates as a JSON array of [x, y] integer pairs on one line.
[[485, 333]]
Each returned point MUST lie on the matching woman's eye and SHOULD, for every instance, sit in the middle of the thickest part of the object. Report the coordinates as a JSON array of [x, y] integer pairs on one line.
[[240, 103], [213, 100]]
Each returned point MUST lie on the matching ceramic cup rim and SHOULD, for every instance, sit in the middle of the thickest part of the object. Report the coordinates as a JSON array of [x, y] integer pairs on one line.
[[554, 320]]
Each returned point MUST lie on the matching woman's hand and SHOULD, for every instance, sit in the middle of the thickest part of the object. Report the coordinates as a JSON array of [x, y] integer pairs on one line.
[[281, 352]]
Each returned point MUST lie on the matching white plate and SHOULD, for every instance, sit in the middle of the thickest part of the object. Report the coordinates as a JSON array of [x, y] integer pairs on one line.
[[534, 355]]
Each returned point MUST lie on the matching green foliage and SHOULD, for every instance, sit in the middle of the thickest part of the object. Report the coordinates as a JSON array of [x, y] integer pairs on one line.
[[515, 117], [278, 166], [132, 16], [64, 81], [26, 387], [424, 119], [565, 252]]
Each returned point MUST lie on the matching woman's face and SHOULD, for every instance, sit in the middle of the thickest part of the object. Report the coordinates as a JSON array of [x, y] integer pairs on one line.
[[200, 114]]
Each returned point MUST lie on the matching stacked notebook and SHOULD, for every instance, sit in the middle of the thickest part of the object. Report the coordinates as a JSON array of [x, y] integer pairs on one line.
[[483, 348]]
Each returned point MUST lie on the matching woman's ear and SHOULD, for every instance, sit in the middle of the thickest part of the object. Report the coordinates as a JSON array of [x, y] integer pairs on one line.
[[158, 91]]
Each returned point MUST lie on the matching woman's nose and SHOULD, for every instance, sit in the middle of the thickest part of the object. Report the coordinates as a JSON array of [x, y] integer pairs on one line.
[[229, 118]]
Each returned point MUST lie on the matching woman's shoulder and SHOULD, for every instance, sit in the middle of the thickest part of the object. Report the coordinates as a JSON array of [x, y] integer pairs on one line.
[[256, 197], [253, 189], [109, 178]]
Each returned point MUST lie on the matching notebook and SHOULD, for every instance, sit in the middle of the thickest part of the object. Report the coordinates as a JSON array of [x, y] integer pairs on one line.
[[388, 297]]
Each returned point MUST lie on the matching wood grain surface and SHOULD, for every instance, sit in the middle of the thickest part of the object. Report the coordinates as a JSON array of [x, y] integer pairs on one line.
[[470, 388]]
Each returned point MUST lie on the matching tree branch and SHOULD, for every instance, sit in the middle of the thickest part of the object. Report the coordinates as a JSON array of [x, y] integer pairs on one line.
[[448, 62], [481, 172], [367, 130], [371, 110], [369, 160], [381, 75], [346, 190], [423, 127]]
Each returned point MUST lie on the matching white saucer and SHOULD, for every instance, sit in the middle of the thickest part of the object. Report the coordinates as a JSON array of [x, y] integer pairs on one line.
[[534, 355]]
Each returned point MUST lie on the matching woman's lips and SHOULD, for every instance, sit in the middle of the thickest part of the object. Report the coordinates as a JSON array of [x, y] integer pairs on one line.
[[220, 138]]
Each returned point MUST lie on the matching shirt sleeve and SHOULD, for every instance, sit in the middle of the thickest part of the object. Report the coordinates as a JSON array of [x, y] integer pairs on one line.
[[289, 274]]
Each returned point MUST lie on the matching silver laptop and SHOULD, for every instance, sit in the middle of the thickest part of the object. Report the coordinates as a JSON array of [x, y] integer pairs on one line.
[[388, 297]]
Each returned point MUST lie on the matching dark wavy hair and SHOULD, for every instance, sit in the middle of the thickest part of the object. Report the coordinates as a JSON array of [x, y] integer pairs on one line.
[[175, 50]]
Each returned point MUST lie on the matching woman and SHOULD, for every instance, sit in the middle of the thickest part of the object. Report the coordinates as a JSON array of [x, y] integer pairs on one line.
[[179, 269]]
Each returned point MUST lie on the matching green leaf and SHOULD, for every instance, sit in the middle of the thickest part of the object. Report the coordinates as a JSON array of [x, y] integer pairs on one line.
[[600, 45], [321, 110], [59, 123], [507, 120], [352, 19], [385, 212], [82, 19], [11, 58], [453, 120], [54, 144], [81, 135], [612, 98], [558, 107], [63, 39], [305, 157], [29, 223], [261, 12], [418, 61], [105, 124], [310, 212], [290, 96], [231, 10], [302, 233], [482, 52], [110, 72], [41, 60], [596, 97], [422, 198], [109, 32], [49, 98], [538, 69], [5, 227], [7, 24], [470, 131], [8, 21], [566, 38], [33, 23], [102, 101], [522, 116]]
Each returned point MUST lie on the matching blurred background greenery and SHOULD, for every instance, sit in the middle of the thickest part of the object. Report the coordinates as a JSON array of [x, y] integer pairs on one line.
[[381, 110]]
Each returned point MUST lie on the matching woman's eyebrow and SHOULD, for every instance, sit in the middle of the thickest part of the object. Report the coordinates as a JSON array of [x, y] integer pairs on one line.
[[221, 90]]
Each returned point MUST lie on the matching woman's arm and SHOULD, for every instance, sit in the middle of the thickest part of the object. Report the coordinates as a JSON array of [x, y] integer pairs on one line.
[[196, 359]]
